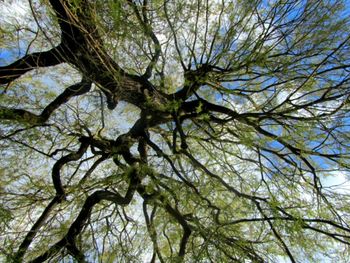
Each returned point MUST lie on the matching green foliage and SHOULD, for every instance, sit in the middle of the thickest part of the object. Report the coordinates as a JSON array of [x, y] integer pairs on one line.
[[229, 136], [6, 216]]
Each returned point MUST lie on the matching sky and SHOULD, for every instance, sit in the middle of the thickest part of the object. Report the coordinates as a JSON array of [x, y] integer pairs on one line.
[[14, 13], [18, 12]]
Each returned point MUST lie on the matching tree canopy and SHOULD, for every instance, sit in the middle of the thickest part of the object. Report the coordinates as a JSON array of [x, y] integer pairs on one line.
[[175, 131]]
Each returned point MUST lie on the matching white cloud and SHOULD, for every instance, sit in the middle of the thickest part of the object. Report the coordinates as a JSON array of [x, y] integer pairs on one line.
[[336, 181], [15, 12]]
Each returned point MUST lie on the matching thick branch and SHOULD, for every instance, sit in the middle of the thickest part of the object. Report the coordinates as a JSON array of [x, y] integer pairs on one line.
[[56, 175], [77, 226], [32, 232], [27, 117], [152, 232], [174, 213], [186, 229], [74, 90], [20, 115], [72, 29], [40, 59]]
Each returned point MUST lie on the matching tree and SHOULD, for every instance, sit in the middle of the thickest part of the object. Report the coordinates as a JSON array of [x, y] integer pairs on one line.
[[175, 131]]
